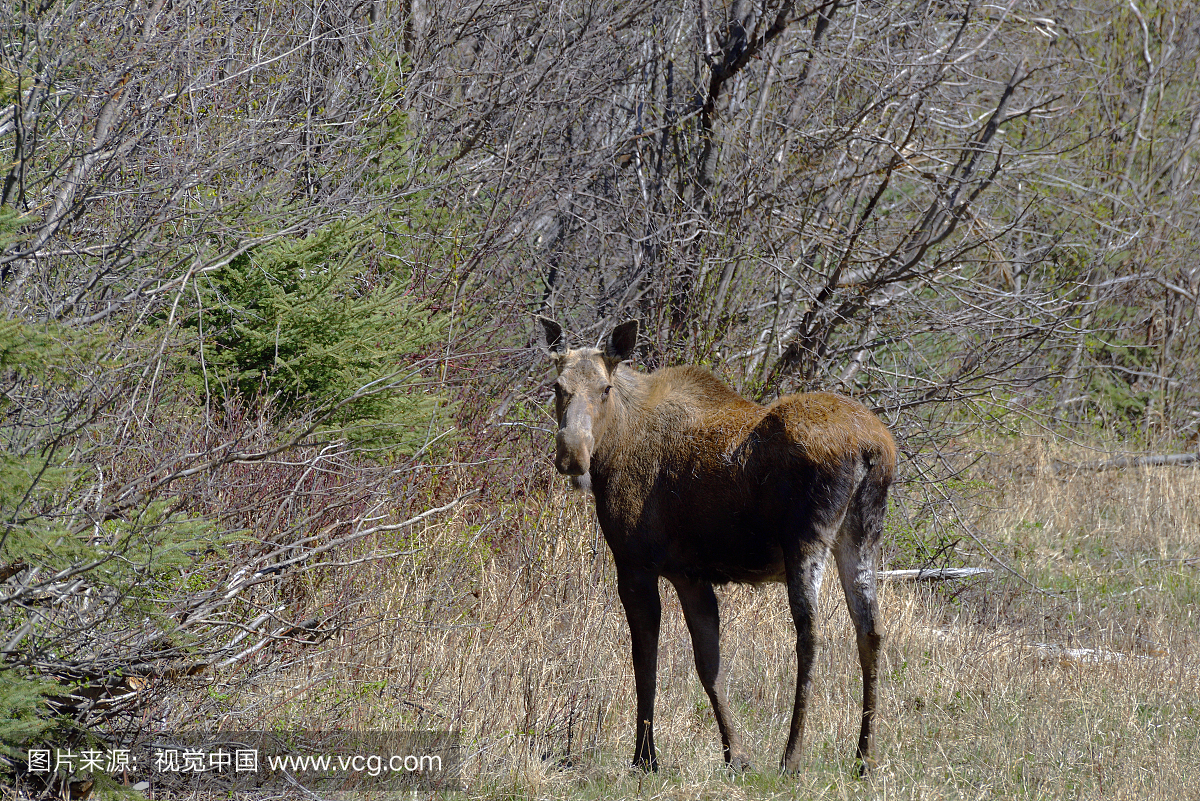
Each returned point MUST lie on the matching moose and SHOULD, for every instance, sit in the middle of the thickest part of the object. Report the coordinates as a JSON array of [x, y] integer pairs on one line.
[[698, 485]]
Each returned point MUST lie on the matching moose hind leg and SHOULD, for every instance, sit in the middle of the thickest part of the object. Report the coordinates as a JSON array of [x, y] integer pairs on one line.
[[856, 554], [805, 565], [700, 610], [638, 591]]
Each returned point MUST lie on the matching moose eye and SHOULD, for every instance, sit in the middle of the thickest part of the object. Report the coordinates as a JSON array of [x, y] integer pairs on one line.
[[607, 390]]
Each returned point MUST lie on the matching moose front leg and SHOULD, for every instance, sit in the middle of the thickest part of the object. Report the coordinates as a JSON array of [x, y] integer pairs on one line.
[[700, 610], [639, 595]]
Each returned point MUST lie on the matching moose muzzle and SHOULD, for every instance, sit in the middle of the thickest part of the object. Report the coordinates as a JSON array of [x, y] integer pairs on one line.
[[573, 452]]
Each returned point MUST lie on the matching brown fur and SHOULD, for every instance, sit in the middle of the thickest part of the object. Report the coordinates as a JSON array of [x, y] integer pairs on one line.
[[700, 486]]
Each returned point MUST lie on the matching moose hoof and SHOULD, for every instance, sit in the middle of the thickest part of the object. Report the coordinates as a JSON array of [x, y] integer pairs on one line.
[[790, 767], [645, 765], [739, 763]]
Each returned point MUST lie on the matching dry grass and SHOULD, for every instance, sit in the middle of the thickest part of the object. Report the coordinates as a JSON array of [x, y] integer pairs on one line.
[[522, 645]]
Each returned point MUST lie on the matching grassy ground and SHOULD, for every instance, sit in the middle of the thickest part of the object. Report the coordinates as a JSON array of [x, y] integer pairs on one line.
[[1077, 678]]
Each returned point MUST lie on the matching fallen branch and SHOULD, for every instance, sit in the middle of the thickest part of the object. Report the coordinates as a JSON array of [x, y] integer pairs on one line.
[[1123, 462], [1075, 656], [933, 574]]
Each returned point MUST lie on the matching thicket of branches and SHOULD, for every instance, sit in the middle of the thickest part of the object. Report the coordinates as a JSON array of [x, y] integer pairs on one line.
[[918, 203], [257, 259], [216, 349]]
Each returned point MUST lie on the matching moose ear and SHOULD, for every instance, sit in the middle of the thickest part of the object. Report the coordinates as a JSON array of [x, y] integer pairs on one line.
[[554, 336], [621, 342]]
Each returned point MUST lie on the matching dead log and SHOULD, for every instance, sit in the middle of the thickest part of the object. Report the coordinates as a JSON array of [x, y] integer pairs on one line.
[[1123, 462], [933, 574]]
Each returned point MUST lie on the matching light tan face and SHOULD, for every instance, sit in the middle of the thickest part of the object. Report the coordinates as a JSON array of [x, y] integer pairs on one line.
[[582, 396], [583, 393]]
